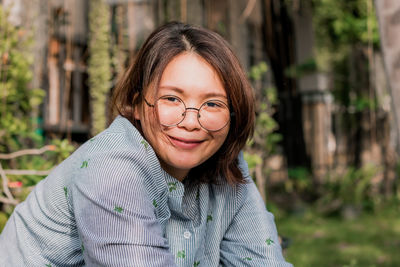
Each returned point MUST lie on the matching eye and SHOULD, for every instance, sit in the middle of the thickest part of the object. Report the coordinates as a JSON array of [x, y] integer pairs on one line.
[[214, 104], [171, 98]]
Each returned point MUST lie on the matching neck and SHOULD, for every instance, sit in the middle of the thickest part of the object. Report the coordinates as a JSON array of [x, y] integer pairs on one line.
[[178, 174]]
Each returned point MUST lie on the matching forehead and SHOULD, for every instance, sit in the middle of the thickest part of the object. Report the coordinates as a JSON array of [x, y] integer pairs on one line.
[[189, 73]]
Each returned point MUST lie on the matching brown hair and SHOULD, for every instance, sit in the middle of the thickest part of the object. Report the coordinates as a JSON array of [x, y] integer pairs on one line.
[[160, 48]]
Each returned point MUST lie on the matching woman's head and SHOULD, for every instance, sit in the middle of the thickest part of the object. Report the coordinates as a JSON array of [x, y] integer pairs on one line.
[[175, 49]]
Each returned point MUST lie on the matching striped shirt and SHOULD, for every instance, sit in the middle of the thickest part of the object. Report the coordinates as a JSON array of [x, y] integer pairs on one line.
[[111, 204]]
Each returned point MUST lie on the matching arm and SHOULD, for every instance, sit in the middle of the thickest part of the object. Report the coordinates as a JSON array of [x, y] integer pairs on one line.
[[114, 213], [251, 239]]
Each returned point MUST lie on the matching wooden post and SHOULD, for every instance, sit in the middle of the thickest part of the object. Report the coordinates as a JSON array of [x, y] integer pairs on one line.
[[389, 26], [53, 106], [315, 98], [196, 12]]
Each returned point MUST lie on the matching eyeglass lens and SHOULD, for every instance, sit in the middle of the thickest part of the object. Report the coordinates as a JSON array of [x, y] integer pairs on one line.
[[212, 115]]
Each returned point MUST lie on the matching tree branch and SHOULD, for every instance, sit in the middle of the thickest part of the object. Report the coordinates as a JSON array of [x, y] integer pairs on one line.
[[8, 201], [26, 172], [5, 185], [247, 11], [27, 152]]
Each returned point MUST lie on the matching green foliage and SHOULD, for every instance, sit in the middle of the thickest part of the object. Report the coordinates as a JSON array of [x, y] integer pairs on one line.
[[265, 140], [265, 135], [338, 24], [299, 180], [369, 240], [352, 189], [252, 160], [362, 103], [3, 220], [256, 72], [18, 129], [297, 71], [62, 149], [17, 100], [344, 32], [99, 66]]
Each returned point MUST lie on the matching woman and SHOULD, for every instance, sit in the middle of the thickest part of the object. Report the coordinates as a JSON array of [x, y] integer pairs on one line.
[[165, 184]]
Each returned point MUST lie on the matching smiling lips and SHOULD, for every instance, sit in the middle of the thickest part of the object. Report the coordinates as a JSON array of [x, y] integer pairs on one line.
[[185, 143]]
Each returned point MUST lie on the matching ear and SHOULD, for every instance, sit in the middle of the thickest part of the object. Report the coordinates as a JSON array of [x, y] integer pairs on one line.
[[137, 108], [136, 112]]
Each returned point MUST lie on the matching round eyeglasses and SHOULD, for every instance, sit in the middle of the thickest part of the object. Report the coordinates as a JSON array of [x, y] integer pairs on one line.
[[213, 115]]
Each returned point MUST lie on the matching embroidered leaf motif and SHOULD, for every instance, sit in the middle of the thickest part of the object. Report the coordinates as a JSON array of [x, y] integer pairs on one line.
[[91, 140], [209, 218], [66, 191], [84, 164], [82, 248], [118, 209], [196, 263], [198, 195], [48, 265], [146, 145], [247, 259], [269, 241], [181, 254], [155, 203], [172, 186]]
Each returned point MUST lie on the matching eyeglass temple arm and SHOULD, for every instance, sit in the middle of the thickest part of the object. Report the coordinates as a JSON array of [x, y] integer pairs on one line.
[[150, 105]]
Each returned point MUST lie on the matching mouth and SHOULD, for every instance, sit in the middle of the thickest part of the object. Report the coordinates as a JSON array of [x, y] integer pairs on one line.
[[185, 143]]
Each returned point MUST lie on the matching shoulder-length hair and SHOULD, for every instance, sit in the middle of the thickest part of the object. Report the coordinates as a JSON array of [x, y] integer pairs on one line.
[[160, 48]]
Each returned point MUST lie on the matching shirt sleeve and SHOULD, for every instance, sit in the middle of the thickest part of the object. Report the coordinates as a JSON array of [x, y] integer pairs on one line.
[[251, 239], [114, 214]]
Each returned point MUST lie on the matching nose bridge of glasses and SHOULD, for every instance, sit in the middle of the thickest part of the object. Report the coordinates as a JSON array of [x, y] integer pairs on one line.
[[195, 110]]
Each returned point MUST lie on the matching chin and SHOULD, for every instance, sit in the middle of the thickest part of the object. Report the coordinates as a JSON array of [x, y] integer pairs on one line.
[[187, 164]]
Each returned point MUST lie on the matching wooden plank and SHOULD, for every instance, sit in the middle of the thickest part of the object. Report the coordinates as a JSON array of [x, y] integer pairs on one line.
[[388, 12], [195, 12], [53, 106], [140, 23], [77, 83]]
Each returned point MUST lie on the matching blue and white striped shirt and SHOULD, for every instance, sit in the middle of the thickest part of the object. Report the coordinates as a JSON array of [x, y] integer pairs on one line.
[[111, 204]]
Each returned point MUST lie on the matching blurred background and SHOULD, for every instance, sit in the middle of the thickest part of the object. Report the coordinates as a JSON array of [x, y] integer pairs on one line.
[[326, 73]]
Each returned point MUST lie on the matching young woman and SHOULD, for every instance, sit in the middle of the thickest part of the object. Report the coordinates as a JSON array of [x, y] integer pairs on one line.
[[165, 184]]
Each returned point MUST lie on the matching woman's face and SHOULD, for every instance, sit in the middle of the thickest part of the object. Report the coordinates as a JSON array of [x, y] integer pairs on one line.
[[186, 145]]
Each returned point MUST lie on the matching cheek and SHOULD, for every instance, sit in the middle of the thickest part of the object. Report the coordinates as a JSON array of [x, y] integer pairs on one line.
[[221, 138]]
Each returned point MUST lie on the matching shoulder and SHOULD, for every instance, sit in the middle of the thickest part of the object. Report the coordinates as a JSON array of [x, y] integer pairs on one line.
[[119, 158], [238, 192], [120, 135]]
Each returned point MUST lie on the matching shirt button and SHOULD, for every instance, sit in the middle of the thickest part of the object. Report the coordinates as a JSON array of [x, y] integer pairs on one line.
[[187, 234]]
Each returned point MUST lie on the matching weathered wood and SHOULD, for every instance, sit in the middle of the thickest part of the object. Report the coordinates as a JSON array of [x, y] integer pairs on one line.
[[196, 12], [279, 45], [388, 12], [99, 64], [238, 34], [183, 11], [315, 97], [217, 16], [77, 88], [53, 106], [140, 17]]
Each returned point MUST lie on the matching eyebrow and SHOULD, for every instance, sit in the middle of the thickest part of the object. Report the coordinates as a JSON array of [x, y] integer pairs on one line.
[[180, 91]]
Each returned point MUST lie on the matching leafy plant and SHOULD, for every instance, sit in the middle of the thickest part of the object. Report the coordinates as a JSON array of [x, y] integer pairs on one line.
[[18, 104], [265, 140], [299, 180], [352, 189], [265, 136], [99, 66], [17, 100]]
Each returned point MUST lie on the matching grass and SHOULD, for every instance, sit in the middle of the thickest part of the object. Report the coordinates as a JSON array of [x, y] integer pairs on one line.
[[371, 239]]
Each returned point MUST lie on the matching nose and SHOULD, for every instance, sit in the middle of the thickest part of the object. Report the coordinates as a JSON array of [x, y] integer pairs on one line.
[[190, 121]]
